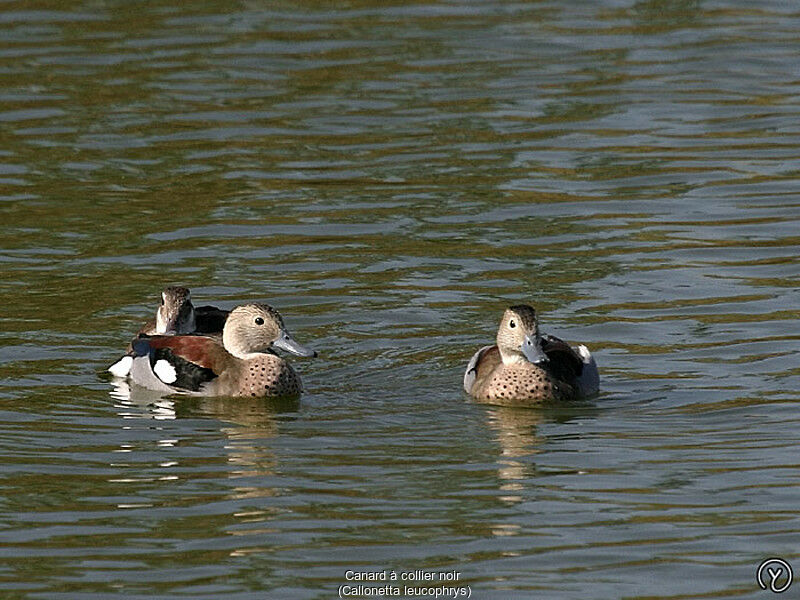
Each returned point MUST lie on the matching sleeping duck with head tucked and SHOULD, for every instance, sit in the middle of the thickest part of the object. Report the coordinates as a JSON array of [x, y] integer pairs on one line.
[[525, 367]]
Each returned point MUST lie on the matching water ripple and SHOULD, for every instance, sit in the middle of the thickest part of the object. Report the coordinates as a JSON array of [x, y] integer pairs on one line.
[[390, 177]]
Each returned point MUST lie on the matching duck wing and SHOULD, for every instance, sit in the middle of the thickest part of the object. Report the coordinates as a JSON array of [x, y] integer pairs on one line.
[[185, 362], [563, 360], [480, 365]]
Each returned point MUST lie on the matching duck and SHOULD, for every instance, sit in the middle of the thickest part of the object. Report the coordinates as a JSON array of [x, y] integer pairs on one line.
[[241, 362], [525, 367], [176, 315]]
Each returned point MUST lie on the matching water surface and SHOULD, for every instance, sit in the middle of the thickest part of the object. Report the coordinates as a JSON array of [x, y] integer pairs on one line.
[[391, 176]]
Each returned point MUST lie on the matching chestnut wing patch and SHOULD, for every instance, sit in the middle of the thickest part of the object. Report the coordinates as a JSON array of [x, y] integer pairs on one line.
[[188, 355], [198, 349]]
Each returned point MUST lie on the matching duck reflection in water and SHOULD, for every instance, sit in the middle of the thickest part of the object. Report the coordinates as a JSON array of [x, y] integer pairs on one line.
[[247, 429]]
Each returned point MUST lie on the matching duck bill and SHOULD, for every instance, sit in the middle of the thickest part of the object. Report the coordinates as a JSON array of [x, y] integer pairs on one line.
[[288, 343], [532, 350]]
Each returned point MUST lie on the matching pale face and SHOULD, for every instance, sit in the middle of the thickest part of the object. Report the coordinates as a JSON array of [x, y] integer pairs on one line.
[[518, 336], [253, 328]]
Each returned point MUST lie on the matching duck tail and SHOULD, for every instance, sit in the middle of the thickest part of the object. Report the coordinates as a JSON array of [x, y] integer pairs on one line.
[[122, 367], [589, 381]]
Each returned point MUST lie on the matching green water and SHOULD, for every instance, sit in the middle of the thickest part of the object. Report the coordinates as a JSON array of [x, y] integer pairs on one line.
[[391, 177]]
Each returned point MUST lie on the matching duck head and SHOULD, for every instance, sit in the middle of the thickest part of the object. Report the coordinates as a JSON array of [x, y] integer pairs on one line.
[[254, 328], [518, 337], [175, 315]]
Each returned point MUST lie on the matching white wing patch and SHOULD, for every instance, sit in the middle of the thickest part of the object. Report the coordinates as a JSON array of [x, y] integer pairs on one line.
[[165, 371], [122, 367], [585, 354]]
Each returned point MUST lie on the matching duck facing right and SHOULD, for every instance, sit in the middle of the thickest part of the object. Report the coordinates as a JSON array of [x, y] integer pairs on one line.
[[525, 367], [241, 363]]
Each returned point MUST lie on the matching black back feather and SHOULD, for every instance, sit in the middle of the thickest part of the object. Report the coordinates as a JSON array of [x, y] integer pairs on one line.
[[563, 362], [209, 319]]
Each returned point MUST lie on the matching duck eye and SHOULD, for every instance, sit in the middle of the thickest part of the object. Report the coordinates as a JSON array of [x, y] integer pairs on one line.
[[512, 324], [259, 321]]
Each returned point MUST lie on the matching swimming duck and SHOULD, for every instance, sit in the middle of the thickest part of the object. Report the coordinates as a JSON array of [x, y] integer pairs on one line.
[[176, 315], [525, 367], [241, 363]]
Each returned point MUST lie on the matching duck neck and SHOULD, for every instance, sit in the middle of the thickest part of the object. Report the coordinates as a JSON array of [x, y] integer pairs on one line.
[[232, 343], [510, 357], [236, 344]]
